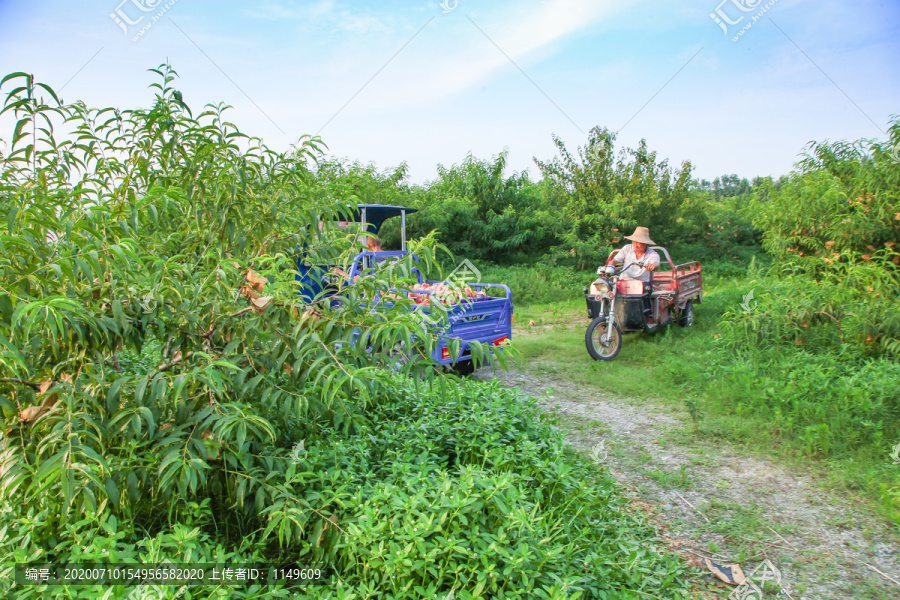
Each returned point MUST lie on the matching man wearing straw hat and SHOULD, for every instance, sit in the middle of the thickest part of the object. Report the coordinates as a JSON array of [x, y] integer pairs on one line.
[[640, 252]]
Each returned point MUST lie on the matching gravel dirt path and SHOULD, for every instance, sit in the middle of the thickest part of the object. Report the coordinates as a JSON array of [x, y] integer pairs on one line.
[[709, 500]]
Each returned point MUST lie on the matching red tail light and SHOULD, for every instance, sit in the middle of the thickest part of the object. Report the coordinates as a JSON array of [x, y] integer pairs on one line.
[[445, 352], [500, 341]]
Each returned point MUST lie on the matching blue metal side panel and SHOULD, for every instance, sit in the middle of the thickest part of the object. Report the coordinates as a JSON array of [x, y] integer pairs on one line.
[[311, 285], [311, 280], [484, 320]]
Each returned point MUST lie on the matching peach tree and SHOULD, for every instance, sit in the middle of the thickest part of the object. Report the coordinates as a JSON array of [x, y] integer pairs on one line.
[[154, 353]]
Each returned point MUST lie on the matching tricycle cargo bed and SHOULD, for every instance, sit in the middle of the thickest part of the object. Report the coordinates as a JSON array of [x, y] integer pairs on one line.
[[486, 319], [684, 282], [472, 317], [479, 315]]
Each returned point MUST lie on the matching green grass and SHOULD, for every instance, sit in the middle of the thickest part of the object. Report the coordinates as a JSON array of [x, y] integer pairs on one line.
[[735, 521], [669, 479], [461, 486], [820, 410]]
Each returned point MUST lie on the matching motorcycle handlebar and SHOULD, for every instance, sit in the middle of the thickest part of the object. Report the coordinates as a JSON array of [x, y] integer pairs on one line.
[[602, 270], [629, 265]]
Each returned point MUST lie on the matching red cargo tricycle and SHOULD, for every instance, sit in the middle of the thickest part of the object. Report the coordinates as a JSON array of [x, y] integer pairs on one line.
[[618, 305]]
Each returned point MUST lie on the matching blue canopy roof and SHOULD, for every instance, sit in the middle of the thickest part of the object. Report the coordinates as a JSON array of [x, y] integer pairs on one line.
[[376, 214]]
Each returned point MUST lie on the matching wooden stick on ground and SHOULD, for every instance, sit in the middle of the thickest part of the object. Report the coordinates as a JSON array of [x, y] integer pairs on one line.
[[781, 538], [721, 556], [686, 549], [692, 506], [882, 574], [775, 544]]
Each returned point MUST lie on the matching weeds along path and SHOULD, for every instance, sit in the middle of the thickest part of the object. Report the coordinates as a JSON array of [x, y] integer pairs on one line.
[[710, 500]]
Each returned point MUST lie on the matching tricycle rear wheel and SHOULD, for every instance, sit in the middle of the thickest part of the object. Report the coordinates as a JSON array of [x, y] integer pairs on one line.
[[464, 368], [687, 315], [592, 339]]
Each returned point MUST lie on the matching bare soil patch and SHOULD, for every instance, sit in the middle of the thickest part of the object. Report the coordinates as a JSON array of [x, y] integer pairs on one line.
[[709, 499]]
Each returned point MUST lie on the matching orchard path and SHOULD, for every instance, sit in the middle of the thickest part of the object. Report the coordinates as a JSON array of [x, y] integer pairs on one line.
[[711, 500]]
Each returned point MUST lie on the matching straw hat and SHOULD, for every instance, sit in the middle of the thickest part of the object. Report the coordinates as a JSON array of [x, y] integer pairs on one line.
[[642, 235]]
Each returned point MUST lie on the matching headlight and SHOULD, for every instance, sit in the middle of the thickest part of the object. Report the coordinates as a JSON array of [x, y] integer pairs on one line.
[[601, 289], [609, 270]]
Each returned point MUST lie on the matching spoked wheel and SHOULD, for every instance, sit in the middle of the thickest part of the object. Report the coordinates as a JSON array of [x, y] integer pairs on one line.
[[687, 315], [593, 339]]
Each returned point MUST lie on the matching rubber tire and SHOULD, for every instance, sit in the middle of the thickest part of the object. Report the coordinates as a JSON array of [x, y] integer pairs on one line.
[[599, 324], [687, 315], [464, 368]]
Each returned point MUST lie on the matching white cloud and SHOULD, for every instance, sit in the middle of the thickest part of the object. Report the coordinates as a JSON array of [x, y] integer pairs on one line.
[[321, 14], [519, 38], [280, 11], [452, 55]]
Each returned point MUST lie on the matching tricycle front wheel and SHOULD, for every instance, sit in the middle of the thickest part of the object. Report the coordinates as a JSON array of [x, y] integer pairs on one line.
[[593, 339]]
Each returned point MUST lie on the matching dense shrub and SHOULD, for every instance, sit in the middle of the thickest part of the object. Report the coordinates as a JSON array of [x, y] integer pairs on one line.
[[461, 488], [833, 229], [814, 353], [155, 407], [466, 489], [574, 216], [139, 233], [530, 285], [480, 213]]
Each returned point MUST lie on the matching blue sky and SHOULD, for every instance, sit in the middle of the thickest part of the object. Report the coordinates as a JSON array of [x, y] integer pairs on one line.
[[394, 81]]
